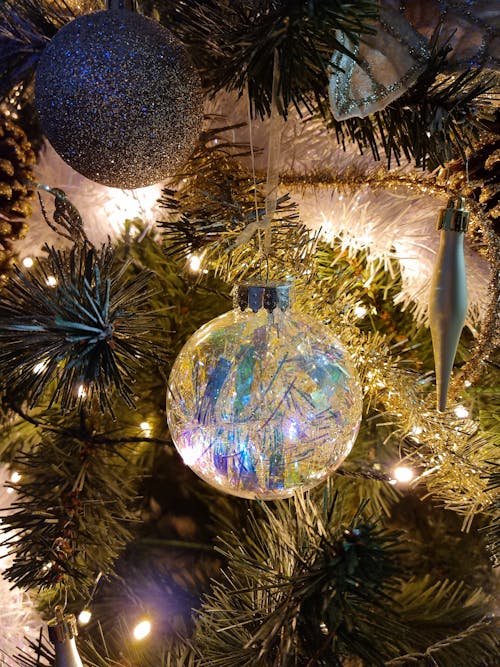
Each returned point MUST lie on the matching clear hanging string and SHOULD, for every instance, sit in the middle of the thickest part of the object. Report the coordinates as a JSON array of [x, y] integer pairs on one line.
[[272, 181]]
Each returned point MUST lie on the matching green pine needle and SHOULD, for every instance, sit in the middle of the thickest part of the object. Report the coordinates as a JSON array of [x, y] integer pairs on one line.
[[232, 44], [72, 512], [298, 587]]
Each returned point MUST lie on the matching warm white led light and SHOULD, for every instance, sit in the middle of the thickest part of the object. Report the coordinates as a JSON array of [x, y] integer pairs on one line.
[[28, 262], [84, 616], [15, 477], [82, 392], [142, 629], [39, 368], [360, 311], [461, 412], [403, 474], [51, 281], [145, 428], [194, 262]]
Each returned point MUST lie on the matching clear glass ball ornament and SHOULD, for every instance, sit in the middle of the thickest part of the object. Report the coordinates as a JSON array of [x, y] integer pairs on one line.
[[263, 400]]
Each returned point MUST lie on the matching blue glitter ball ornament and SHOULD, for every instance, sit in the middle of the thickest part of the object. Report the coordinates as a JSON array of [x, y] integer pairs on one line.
[[263, 400], [118, 98]]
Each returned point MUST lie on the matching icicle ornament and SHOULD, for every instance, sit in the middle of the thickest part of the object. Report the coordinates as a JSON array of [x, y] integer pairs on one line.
[[448, 300], [263, 400]]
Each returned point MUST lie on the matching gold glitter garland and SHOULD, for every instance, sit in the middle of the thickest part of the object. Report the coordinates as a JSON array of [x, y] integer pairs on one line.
[[438, 183]]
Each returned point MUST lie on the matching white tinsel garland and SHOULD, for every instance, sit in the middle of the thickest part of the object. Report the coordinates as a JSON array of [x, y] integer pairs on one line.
[[19, 619]]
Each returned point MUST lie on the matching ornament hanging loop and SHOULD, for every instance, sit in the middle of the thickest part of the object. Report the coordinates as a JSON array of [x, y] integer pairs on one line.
[[276, 123]]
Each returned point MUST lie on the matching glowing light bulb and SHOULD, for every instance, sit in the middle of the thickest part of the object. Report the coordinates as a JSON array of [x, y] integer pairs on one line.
[[323, 627], [39, 368], [28, 262], [82, 391], [84, 616], [360, 311], [15, 477], [142, 629], [145, 428], [194, 262], [403, 474], [51, 281], [467, 383], [461, 412]]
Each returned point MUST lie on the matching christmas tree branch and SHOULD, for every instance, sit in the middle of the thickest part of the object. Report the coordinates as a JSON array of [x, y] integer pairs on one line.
[[69, 521], [75, 328], [437, 119], [26, 26], [231, 42]]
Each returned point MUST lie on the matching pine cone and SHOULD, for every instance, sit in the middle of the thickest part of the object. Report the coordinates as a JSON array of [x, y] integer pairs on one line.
[[16, 160]]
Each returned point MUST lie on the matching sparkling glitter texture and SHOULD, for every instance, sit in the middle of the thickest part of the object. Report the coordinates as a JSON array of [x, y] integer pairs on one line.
[[118, 98], [264, 400]]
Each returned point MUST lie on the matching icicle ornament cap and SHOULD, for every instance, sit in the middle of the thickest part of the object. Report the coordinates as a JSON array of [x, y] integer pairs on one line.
[[62, 633], [455, 217], [62, 627]]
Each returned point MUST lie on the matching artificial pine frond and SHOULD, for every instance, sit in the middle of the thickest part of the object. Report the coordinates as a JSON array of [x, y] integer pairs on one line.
[[74, 327], [216, 202], [456, 622], [26, 26], [493, 529], [72, 512], [153, 652], [302, 582], [232, 44], [41, 653], [437, 119]]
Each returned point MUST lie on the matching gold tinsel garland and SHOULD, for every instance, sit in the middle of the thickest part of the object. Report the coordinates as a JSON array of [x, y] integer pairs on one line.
[[449, 454]]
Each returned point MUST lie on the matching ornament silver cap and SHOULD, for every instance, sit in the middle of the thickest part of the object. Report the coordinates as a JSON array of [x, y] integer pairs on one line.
[[455, 217], [62, 628], [258, 294]]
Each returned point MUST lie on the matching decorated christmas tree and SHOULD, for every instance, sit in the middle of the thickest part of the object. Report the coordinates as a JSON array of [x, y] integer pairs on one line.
[[249, 331]]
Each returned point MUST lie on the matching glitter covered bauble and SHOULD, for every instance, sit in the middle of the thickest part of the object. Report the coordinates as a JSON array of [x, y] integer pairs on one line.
[[118, 98], [263, 400]]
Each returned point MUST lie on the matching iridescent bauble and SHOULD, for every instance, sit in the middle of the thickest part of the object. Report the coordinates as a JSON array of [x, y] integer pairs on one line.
[[118, 98], [263, 400]]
